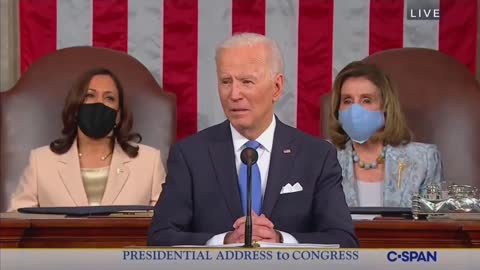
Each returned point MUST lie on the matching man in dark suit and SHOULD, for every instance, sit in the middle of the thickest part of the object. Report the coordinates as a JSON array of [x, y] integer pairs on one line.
[[297, 183]]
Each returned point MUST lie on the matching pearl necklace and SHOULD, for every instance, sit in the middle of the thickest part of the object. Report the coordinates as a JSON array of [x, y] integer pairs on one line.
[[367, 166]]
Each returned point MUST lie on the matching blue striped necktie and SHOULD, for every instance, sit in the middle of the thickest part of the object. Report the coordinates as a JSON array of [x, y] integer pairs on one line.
[[256, 183]]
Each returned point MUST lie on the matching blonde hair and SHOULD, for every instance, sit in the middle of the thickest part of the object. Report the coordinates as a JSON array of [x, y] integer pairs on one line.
[[395, 132], [249, 39]]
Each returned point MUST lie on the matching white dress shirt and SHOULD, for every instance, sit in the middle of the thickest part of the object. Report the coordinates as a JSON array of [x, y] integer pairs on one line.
[[264, 153]]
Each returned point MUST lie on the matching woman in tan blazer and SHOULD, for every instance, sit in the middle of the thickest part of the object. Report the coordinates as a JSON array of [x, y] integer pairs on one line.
[[97, 161]]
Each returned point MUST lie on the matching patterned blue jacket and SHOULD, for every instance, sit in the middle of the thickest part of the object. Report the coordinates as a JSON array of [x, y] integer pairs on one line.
[[408, 169]]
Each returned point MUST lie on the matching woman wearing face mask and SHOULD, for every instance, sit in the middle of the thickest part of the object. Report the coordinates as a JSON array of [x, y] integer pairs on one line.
[[381, 166], [97, 160]]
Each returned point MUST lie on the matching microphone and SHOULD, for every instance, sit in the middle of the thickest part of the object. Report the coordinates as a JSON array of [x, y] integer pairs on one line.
[[249, 157]]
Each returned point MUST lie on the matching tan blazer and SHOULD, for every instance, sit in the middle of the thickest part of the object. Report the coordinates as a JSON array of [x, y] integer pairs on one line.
[[55, 180]]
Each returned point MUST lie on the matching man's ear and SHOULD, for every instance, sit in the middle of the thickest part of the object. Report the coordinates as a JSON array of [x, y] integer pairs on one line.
[[278, 87]]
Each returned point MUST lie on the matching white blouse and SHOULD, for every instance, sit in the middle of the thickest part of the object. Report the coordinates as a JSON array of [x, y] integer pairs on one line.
[[94, 182], [370, 193]]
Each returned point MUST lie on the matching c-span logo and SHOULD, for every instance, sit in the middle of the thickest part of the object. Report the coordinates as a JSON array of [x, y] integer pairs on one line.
[[412, 256]]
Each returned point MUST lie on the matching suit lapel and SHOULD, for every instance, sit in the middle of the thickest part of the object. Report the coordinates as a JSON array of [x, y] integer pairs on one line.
[[223, 160], [117, 176], [282, 157], [397, 169], [69, 171]]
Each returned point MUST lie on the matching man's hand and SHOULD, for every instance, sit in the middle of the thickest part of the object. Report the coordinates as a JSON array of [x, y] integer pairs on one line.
[[262, 230]]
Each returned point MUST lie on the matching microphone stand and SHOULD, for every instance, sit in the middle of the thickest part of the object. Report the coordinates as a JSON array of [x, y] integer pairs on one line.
[[248, 222], [249, 157]]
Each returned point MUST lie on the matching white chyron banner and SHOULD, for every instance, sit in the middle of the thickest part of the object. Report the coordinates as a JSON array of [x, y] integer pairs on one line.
[[217, 258]]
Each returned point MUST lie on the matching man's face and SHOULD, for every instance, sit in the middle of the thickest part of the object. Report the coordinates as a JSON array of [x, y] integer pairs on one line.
[[246, 88]]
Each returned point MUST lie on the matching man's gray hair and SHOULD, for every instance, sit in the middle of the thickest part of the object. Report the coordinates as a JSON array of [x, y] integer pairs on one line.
[[250, 39]]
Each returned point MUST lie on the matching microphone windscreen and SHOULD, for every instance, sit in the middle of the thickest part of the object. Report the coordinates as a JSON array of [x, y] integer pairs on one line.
[[249, 156]]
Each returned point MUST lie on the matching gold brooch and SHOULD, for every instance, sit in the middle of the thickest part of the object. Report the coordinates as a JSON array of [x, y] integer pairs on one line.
[[401, 166]]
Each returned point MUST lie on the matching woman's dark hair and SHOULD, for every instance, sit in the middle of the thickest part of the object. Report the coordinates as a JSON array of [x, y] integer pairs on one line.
[[75, 98]]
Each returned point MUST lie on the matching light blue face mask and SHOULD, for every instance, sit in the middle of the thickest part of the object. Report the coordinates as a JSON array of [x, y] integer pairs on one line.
[[359, 123]]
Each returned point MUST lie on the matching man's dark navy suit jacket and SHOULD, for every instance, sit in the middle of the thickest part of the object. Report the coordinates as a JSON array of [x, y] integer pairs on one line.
[[201, 198]]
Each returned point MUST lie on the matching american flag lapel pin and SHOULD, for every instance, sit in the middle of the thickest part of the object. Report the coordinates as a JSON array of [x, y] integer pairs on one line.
[[287, 151]]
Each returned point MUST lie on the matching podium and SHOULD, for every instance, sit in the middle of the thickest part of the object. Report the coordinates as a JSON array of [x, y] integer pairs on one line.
[[47, 231]]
